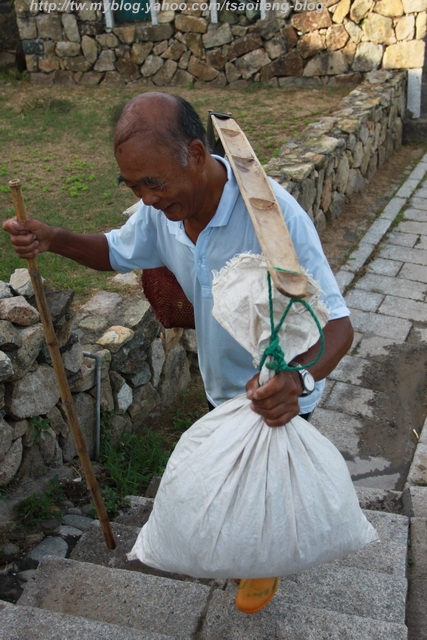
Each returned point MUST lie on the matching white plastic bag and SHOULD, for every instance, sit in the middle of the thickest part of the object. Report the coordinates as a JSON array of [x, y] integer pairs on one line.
[[239, 499]]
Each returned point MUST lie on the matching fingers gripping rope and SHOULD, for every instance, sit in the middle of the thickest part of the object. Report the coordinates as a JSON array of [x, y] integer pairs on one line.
[[274, 351]]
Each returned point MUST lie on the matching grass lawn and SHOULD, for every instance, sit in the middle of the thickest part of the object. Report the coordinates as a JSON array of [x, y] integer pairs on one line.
[[57, 141]]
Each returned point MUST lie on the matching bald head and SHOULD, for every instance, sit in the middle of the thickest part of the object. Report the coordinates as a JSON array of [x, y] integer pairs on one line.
[[162, 120]]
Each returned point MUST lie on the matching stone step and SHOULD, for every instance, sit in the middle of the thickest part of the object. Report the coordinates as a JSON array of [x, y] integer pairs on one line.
[[92, 548], [389, 556], [285, 621], [29, 623], [362, 596], [128, 598]]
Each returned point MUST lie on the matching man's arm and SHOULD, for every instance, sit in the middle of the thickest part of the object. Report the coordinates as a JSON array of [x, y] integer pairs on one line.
[[31, 237], [277, 400]]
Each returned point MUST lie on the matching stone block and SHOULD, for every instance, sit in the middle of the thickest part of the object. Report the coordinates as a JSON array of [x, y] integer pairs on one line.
[[190, 23], [71, 28], [359, 9], [405, 55], [368, 56], [311, 20], [379, 29], [216, 36], [200, 70]]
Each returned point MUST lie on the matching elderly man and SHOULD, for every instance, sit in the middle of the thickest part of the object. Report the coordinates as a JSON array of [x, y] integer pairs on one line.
[[192, 219]]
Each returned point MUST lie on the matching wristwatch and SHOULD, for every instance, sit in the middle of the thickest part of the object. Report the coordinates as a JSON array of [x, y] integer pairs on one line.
[[307, 379]]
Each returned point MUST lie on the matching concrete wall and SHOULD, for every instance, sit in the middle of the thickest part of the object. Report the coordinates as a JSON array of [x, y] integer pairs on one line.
[[340, 41]]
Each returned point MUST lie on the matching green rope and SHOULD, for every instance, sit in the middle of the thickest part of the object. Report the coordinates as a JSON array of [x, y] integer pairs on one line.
[[274, 350]]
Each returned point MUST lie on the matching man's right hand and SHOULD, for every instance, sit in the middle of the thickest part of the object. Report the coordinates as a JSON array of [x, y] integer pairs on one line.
[[29, 237]]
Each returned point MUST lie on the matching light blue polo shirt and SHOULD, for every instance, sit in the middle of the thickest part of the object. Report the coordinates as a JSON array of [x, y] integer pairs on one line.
[[148, 239]]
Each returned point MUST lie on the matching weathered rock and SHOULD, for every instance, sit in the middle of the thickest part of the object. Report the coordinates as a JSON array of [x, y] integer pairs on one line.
[[404, 55], [359, 9], [145, 399], [249, 42], [89, 48], [20, 281], [410, 6], [368, 56], [311, 20], [156, 359], [5, 291], [194, 43], [217, 35], [164, 76], [10, 336], [18, 311], [201, 70], [11, 463], [174, 51], [310, 44], [405, 28], [33, 395], [153, 33], [115, 338], [140, 51], [49, 26], [379, 29], [6, 366], [252, 62], [6, 437], [32, 339], [341, 11], [176, 374], [391, 8], [66, 49], [336, 38], [105, 61], [71, 29], [107, 40], [151, 65], [125, 34], [190, 23]]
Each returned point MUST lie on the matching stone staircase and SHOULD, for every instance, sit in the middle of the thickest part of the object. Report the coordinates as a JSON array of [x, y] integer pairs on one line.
[[97, 594]]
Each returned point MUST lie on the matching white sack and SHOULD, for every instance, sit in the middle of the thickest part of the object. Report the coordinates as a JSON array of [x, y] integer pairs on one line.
[[239, 499]]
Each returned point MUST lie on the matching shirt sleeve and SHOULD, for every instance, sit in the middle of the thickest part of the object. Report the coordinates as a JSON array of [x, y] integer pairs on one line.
[[134, 245]]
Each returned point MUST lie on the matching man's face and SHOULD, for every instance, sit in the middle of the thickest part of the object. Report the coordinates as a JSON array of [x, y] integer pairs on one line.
[[159, 180]]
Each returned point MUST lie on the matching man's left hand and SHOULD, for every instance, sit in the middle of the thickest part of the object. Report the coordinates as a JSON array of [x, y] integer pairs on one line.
[[276, 400]]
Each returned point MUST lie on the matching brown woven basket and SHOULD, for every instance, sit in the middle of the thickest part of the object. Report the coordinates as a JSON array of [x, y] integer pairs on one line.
[[169, 302]]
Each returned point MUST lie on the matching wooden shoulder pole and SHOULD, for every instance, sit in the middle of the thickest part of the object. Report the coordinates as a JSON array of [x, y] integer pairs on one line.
[[58, 365], [263, 208]]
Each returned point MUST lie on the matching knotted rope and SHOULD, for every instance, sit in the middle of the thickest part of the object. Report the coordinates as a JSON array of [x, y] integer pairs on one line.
[[274, 351]]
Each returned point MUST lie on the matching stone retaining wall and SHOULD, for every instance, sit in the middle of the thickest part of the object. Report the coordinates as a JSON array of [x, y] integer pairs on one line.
[[142, 366], [338, 43], [334, 158]]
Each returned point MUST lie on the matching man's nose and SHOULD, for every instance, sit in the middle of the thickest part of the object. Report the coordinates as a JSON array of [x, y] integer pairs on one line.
[[148, 197]]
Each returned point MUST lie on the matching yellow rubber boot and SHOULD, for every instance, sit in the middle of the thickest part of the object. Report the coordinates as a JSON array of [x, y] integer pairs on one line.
[[253, 594]]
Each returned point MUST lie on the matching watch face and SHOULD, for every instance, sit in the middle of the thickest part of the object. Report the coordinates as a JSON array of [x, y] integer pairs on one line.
[[309, 382]]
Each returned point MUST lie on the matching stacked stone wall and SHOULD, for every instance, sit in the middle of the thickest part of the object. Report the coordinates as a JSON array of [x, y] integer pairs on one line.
[[334, 158], [141, 365], [339, 42]]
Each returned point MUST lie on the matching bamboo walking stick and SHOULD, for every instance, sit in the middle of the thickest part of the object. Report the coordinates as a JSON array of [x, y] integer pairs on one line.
[[58, 365]]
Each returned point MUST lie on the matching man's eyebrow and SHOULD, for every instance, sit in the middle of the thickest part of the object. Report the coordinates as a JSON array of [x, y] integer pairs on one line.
[[148, 181]]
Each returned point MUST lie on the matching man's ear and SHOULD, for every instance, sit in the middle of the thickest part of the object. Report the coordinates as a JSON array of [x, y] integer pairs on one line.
[[197, 152]]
